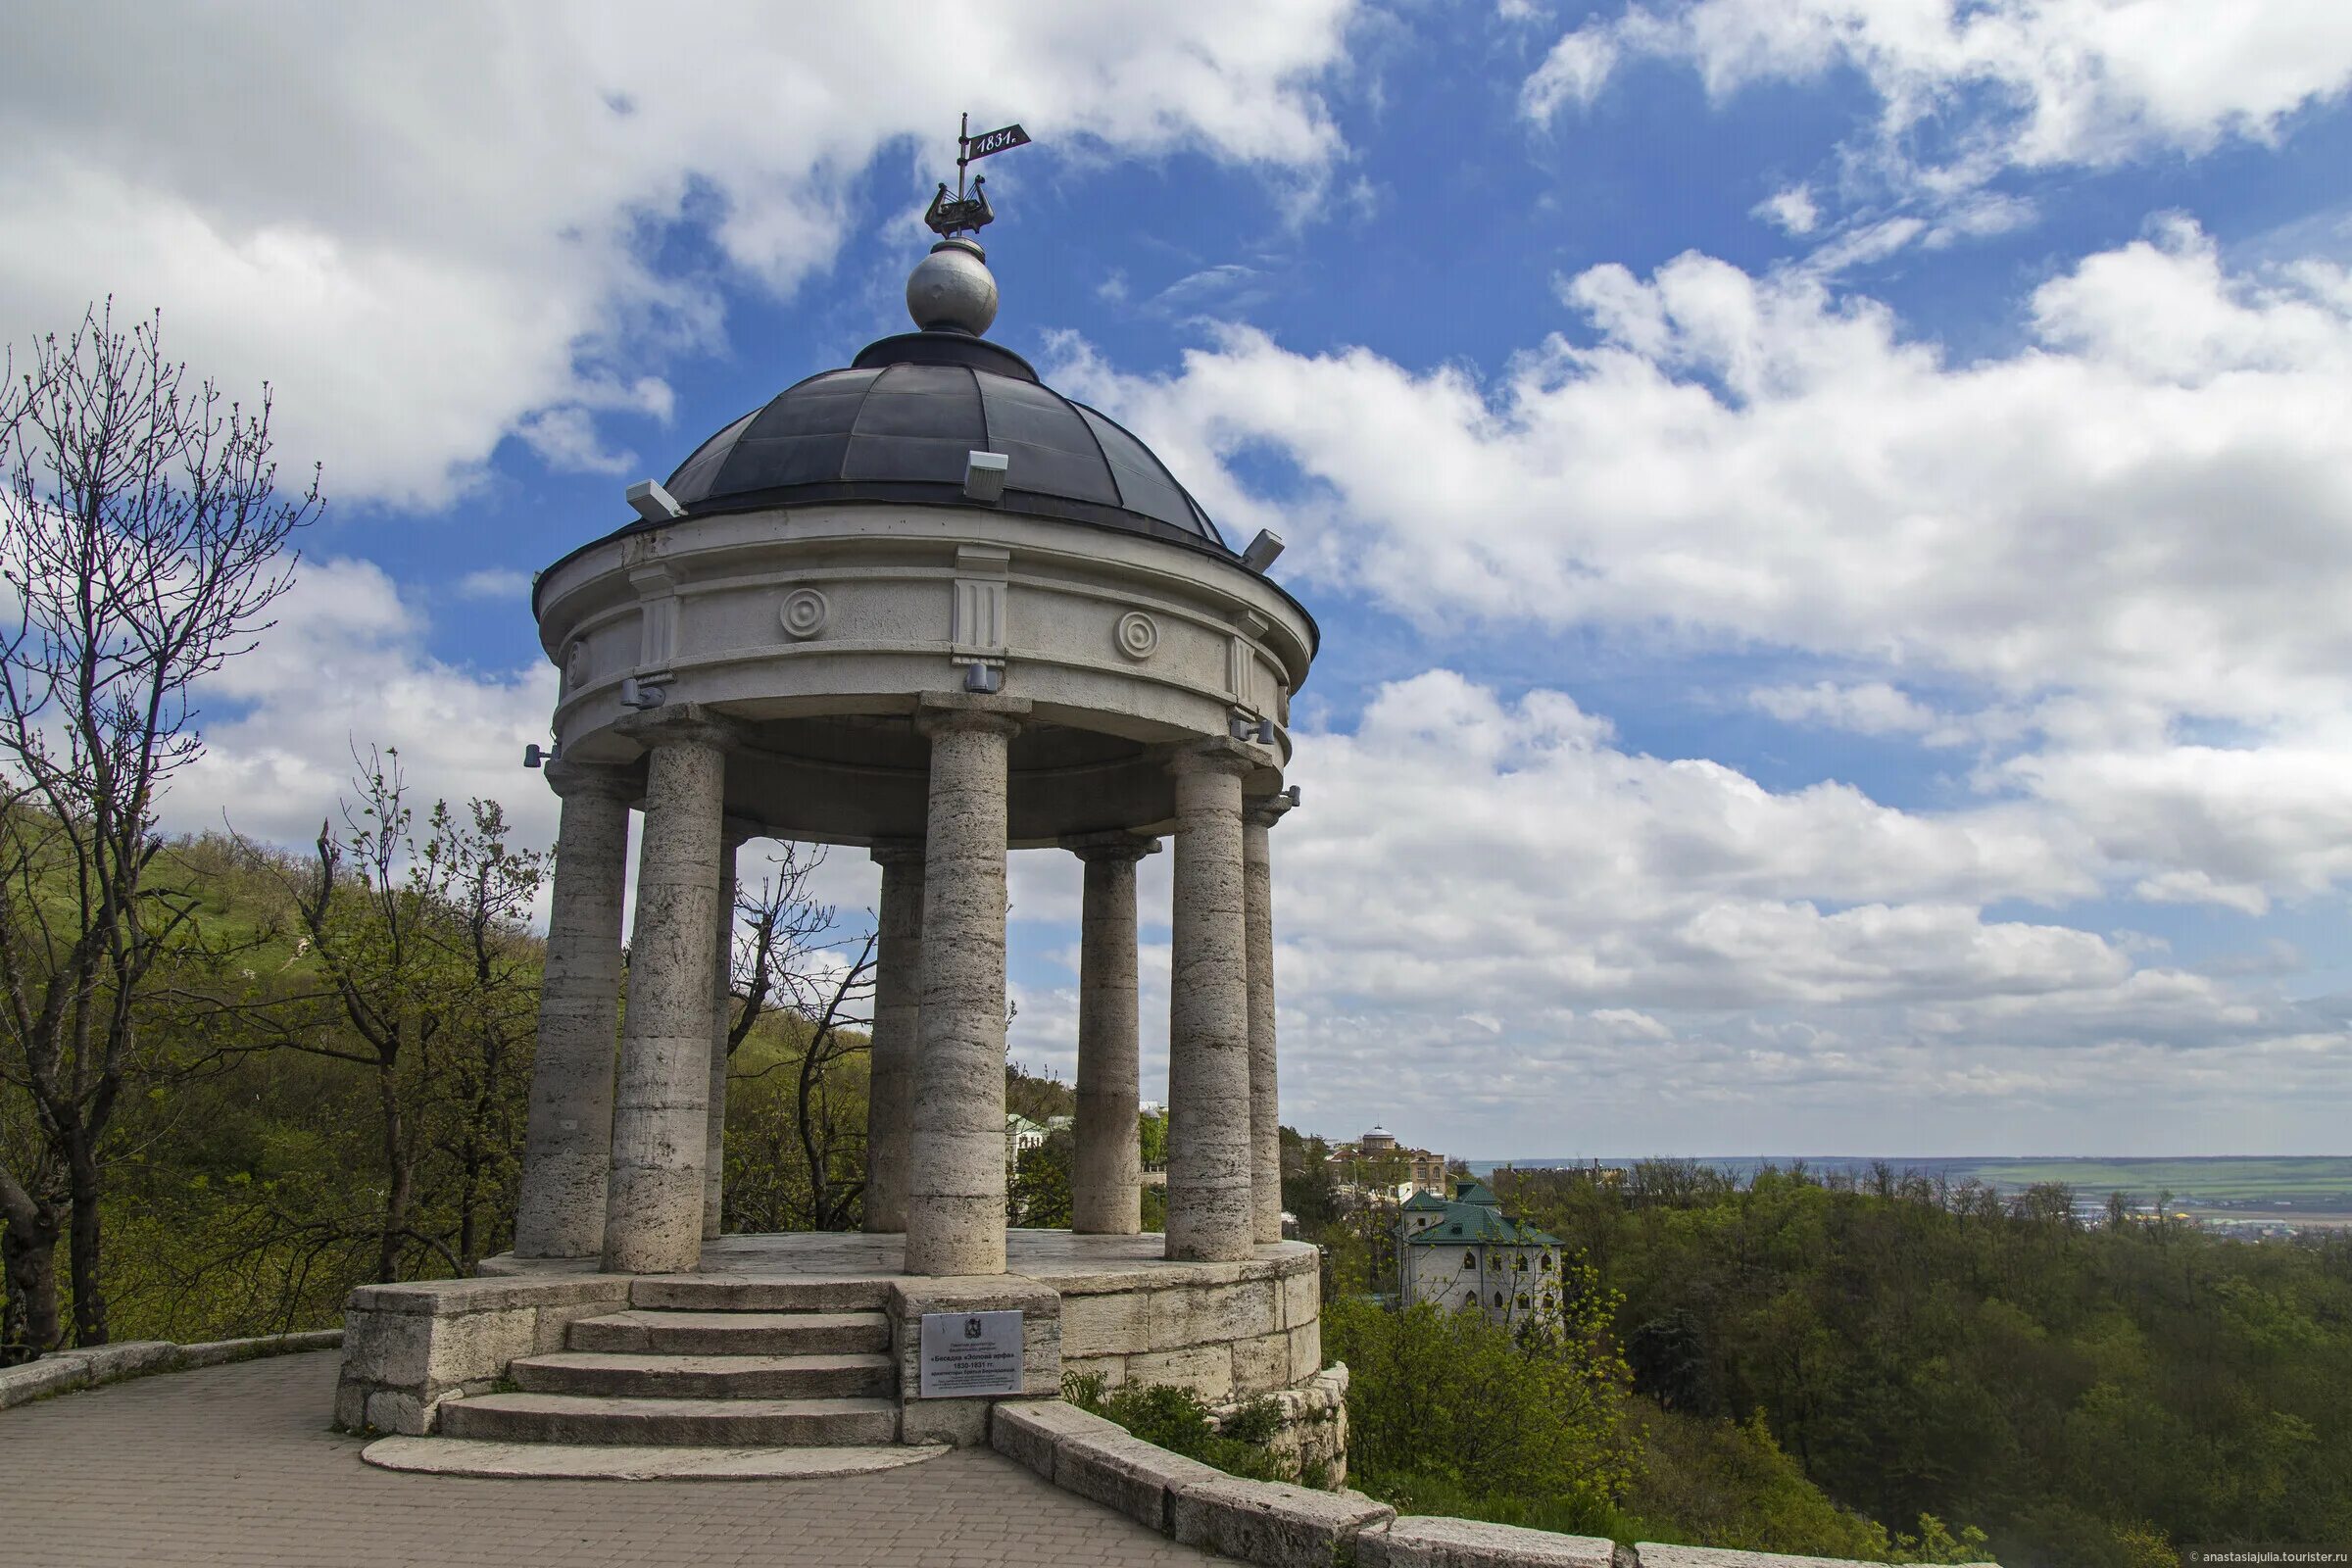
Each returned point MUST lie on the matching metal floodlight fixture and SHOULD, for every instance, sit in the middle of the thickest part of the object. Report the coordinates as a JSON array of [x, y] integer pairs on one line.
[[1293, 792], [985, 679], [635, 693], [655, 504], [1245, 728], [533, 757], [984, 476], [1262, 550]]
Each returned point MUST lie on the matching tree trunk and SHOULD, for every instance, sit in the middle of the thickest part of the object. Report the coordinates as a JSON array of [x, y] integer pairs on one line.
[[397, 1180], [29, 1252], [89, 1295]]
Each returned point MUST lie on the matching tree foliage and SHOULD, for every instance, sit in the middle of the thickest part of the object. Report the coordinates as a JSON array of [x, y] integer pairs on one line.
[[143, 538], [1920, 1349]]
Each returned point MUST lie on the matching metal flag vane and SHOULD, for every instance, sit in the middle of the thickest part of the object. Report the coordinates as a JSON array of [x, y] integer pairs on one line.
[[968, 215]]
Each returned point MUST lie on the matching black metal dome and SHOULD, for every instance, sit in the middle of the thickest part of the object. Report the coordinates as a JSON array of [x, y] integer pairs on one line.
[[900, 424]]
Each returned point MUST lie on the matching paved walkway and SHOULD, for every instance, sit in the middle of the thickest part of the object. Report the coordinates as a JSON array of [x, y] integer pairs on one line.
[[235, 1465]]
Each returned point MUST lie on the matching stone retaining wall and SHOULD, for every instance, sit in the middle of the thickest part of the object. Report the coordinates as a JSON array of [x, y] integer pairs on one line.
[[1226, 1329], [109, 1363], [1284, 1526], [1312, 1440]]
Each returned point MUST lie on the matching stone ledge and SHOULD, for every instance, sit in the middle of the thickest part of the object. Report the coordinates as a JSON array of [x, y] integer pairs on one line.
[[51, 1374], [1271, 1523], [218, 1353], [82, 1369], [452, 1298], [1655, 1555], [65, 1370], [1425, 1542]]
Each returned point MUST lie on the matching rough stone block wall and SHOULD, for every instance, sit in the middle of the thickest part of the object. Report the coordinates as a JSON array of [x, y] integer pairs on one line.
[[1312, 1440], [1230, 1329], [408, 1347]]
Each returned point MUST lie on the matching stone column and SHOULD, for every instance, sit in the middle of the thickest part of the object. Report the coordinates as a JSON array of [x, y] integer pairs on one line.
[[1106, 1177], [1258, 814], [653, 1216], [568, 1149], [955, 1187], [1210, 1217], [714, 1118], [897, 1033]]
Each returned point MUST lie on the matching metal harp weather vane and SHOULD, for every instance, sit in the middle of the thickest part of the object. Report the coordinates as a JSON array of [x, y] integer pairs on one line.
[[963, 214]]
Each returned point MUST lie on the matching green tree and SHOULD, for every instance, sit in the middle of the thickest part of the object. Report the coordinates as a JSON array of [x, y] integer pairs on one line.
[[429, 984], [143, 539]]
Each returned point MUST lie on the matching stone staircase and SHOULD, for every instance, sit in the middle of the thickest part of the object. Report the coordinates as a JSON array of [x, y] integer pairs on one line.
[[692, 1363]]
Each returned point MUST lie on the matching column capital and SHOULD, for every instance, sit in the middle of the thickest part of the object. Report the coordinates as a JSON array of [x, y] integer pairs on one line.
[[688, 722], [1115, 845], [736, 832], [897, 851], [1266, 811], [1216, 753], [945, 712], [568, 779]]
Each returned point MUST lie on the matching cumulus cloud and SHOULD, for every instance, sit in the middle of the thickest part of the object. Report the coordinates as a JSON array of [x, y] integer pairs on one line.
[[1790, 211], [456, 243], [1490, 909], [1966, 91], [2129, 524], [1867, 708], [2143, 500], [346, 667]]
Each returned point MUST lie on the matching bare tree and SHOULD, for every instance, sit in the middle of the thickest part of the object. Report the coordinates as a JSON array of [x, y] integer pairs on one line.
[[791, 958], [421, 943], [143, 538]]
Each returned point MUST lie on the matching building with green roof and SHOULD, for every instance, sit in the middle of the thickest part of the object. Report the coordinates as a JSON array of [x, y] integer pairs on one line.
[[1467, 1252]]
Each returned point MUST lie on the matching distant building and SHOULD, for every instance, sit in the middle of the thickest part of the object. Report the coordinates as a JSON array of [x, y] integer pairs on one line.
[[1467, 1252], [1020, 1135], [1378, 1168]]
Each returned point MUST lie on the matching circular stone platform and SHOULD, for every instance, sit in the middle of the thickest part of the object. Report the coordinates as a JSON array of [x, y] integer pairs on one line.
[[1129, 1313], [588, 1462]]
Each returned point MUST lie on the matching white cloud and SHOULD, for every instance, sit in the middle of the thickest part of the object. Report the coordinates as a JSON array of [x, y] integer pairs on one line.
[[1489, 913], [433, 227], [345, 666], [1866, 708], [2129, 525], [1967, 90], [1790, 211], [2143, 507], [495, 583], [2072, 81]]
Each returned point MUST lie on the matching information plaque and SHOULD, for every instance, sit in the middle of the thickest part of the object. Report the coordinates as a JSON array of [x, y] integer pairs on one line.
[[970, 1354]]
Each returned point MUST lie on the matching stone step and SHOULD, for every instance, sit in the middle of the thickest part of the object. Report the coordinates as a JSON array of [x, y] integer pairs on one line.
[[705, 1293], [671, 1423], [666, 1333], [636, 1374]]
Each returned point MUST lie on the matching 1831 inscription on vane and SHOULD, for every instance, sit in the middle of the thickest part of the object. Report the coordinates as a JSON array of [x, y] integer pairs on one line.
[[966, 1354]]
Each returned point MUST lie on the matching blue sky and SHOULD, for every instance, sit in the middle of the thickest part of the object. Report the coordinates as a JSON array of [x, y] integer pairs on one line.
[[1831, 519]]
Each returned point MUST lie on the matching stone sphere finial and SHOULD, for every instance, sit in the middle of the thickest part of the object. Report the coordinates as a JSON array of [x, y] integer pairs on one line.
[[951, 289]]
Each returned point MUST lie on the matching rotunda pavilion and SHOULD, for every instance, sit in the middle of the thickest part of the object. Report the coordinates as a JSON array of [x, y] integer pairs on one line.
[[927, 607]]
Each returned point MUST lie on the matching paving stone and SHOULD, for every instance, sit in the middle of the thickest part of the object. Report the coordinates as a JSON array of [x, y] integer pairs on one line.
[[234, 1465]]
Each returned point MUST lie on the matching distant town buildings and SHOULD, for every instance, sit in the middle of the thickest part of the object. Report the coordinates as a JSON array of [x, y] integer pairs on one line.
[[1467, 1252], [1378, 1168]]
